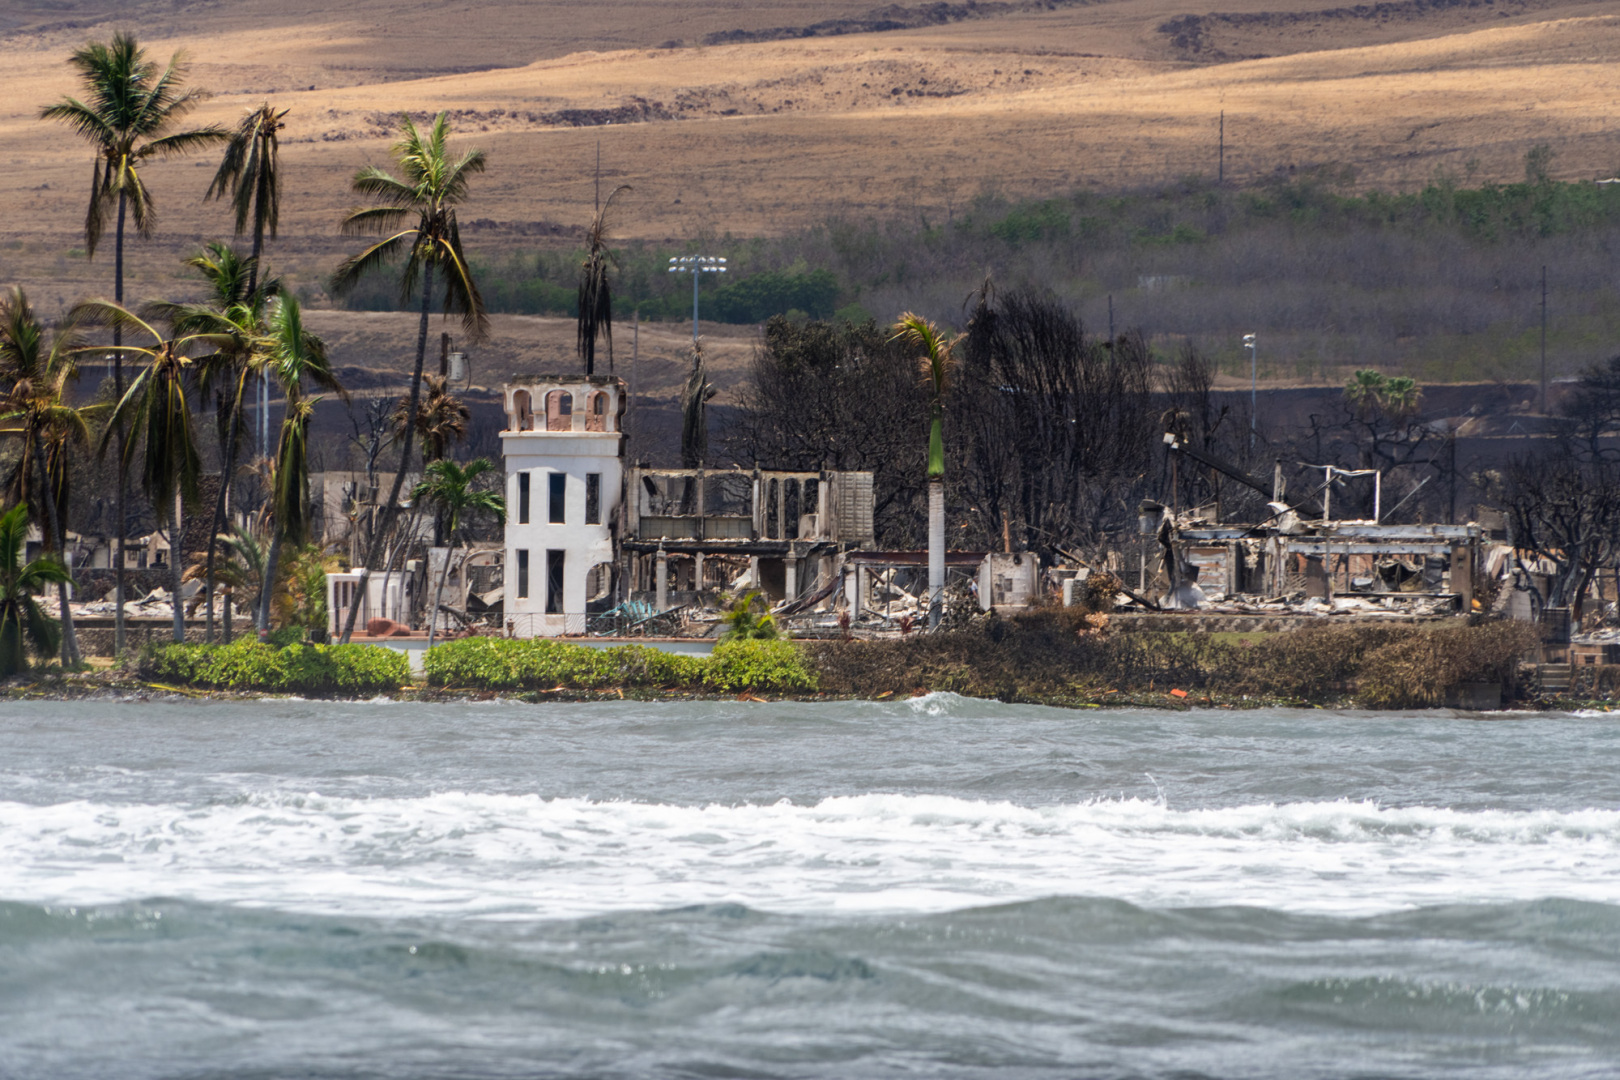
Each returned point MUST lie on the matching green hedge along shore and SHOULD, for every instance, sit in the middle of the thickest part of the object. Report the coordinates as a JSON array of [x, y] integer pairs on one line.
[[482, 663], [245, 664], [1052, 657]]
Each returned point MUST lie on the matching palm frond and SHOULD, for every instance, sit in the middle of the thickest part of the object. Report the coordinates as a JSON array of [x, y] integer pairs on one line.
[[353, 269]]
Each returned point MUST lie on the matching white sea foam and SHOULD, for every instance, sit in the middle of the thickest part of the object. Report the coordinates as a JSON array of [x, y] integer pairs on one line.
[[525, 856]]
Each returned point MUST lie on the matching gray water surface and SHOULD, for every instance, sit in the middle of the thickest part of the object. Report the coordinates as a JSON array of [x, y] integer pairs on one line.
[[942, 887]]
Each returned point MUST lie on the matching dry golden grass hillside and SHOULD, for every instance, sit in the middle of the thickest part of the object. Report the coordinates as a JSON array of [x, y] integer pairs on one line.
[[725, 118]]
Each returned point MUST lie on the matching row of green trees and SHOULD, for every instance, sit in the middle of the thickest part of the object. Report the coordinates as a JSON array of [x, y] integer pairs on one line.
[[170, 359]]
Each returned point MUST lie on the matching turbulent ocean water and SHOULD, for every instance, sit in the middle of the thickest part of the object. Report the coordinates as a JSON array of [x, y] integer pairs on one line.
[[934, 888]]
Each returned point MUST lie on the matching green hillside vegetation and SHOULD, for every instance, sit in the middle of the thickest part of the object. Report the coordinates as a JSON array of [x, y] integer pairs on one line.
[[1442, 283]]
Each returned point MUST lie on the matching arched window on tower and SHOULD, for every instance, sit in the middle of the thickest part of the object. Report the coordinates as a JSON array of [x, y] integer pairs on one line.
[[522, 410], [596, 411], [559, 411]]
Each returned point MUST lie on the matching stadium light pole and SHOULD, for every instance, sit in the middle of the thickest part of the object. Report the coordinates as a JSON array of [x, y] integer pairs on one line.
[[1254, 379], [697, 266]]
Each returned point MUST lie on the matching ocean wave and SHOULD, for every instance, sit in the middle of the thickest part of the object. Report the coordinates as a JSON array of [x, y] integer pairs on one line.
[[526, 856]]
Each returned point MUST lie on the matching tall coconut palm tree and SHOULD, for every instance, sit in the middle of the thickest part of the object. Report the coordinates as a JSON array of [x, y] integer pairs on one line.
[[453, 491], [250, 174], [35, 369], [130, 109], [234, 312], [595, 292], [432, 187], [935, 347], [157, 408], [22, 623], [296, 358]]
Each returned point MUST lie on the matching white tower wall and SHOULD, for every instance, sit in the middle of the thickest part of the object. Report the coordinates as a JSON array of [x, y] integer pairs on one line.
[[569, 428]]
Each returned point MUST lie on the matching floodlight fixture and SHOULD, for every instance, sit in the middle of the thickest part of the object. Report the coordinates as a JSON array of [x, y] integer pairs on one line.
[[697, 266]]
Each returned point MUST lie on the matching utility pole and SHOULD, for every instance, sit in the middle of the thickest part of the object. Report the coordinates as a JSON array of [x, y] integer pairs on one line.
[[1222, 172], [1254, 393], [1110, 320], [1544, 339], [635, 364]]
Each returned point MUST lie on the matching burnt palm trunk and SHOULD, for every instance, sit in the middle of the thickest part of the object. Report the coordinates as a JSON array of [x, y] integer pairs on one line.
[[391, 508]]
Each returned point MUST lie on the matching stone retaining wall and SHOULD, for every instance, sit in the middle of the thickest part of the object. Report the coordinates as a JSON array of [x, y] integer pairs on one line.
[[96, 636], [1168, 622]]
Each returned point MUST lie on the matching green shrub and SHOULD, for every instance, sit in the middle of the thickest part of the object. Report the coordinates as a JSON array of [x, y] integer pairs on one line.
[[643, 665], [504, 664], [486, 663], [765, 665], [245, 664], [184, 665]]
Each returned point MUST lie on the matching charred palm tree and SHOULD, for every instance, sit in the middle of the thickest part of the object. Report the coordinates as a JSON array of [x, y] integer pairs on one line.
[[129, 112], [433, 185], [441, 419], [595, 291]]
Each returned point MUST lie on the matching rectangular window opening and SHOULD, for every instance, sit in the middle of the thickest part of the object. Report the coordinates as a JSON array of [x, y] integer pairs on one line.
[[554, 582], [522, 573], [593, 498], [558, 491], [523, 498]]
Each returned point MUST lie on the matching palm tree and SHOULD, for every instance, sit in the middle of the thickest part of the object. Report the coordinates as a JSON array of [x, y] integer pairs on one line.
[[131, 110], [234, 312], [295, 357], [240, 571], [1401, 397], [22, 622], [936, 346], [1364, 390], [595, 294], [742, 624], [451, 489], [36, 371], [441, 418], [432, 187], [249, 173], [158, 407]]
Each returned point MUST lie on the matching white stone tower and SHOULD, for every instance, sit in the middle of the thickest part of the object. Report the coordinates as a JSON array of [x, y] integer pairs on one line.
[[564, 446]]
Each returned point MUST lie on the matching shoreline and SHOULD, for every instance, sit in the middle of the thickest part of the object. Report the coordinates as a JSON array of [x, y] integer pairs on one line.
[[110, 685]]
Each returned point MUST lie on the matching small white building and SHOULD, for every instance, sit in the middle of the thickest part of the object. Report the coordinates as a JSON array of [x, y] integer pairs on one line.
[[563, 447]]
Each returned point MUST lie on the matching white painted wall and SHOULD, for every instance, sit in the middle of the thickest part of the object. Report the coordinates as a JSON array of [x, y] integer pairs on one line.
[[574, 453]]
